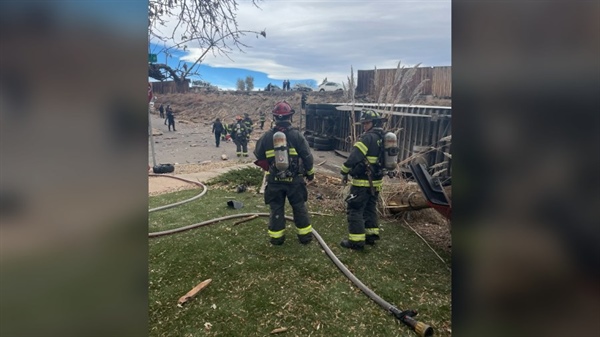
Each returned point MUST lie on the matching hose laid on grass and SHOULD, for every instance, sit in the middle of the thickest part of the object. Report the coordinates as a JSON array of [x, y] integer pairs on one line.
[[197, 183], [406, 317]]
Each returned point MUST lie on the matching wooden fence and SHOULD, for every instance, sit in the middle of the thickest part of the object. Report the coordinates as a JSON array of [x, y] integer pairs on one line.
[[438, 84], [170, 87]]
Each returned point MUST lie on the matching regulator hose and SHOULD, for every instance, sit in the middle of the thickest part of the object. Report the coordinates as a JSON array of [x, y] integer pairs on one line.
[[406, 316]]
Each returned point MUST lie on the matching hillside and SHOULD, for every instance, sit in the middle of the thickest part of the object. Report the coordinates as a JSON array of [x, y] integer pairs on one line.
[[204, 107]]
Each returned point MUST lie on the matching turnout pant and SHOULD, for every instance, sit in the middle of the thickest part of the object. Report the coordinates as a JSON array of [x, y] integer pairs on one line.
[[362, 213], [241, 147], [297, 195]]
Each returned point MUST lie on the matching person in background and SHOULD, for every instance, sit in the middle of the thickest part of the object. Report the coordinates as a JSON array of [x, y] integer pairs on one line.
[[249, 124], [261, 119], [226, 131], [171, 118], [166, 111], [161, 111], [289, 182], [365, 167], [239, 134], [217, 129]]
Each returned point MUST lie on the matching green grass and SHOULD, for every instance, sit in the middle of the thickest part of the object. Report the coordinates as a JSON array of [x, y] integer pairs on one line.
[[257, 287]]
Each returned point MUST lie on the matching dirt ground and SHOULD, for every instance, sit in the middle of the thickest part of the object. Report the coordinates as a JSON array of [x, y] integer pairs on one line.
[[192, 149]]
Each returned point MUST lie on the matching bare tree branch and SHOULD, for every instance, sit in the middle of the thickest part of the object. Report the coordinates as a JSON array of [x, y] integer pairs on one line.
[[210, 25]]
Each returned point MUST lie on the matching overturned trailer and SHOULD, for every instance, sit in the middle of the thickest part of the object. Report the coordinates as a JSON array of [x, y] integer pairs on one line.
[[424, 132]]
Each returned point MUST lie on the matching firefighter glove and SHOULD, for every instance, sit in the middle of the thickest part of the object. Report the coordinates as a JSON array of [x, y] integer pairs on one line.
[[344, 179], [310, 177]]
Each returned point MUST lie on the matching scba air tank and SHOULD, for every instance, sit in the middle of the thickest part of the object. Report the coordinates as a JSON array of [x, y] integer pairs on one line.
[[390, 145], [281, 152]]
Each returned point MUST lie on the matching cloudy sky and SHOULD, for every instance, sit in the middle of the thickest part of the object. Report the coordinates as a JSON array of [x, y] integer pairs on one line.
[[310, 40]]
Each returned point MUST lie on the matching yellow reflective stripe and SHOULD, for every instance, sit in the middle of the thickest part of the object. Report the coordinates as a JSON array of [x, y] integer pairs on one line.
[[305, 230], [372, 231], [276, 235], [365, 183], [293, 151], [345, 169], [356, 237], [311, 171], [362, 147], [371, 159], [270, 153]]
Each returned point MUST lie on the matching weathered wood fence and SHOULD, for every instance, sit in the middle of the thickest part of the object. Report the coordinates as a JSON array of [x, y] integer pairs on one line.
[[170, 87], [438, 84]]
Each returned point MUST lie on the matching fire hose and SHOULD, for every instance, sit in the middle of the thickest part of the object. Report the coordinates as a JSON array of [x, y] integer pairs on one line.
[[404, 316]]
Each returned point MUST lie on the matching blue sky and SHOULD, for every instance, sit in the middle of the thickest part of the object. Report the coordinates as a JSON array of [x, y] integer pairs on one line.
[[310, 40]]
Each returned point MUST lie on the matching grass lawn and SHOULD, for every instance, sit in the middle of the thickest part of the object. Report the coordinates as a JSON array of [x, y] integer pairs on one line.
[[257, 287]]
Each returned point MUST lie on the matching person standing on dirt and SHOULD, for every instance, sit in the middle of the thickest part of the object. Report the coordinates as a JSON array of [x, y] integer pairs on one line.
[[167, 111], [249, 124], [239, 133], [226, 129], [366, 169], [171, 118], [261, 119], [161, 111], [217, 129], [287, 182]]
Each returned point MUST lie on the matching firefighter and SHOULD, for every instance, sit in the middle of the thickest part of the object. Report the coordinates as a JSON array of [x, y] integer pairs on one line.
[[365, 167], [261, 119], [239, 134], [248, 123], [226, 128], [284, 153]]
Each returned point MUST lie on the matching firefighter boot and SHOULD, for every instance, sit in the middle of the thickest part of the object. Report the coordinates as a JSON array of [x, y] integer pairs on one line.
[[305, 238], [356, 245], [370, 239], [278, 241]]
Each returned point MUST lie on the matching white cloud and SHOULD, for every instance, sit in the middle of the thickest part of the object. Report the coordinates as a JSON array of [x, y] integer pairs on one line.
[[318, 39]]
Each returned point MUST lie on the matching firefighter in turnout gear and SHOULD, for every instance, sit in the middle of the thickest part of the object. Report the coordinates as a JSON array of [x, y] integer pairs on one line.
[[284, 153], [239, 134], [249, 125], [261, 119], [364, 165]]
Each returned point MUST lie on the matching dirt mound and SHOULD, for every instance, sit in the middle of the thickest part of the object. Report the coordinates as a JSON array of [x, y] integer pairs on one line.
[[205, 107]]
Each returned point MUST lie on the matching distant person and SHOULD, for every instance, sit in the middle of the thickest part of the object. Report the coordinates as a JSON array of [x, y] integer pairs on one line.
[[226, 129], [248, 123], [161, 111], [171, 118], [286, 175], [167, 111], [261, 119], [239, 134], [217, 129]]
